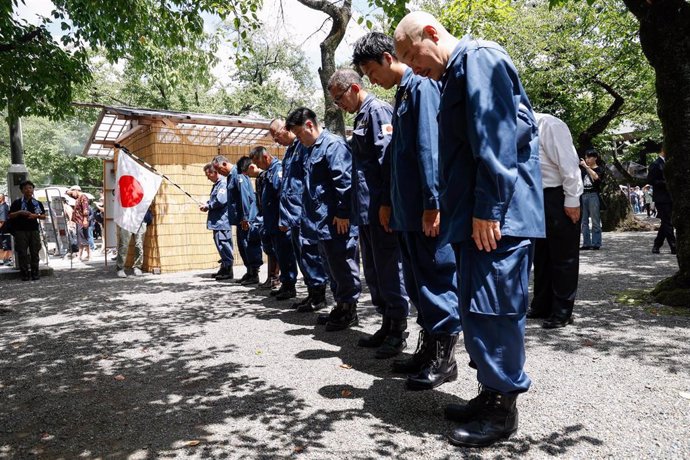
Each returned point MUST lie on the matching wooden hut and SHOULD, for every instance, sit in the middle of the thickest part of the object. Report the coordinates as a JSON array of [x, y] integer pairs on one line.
[[177, 145]]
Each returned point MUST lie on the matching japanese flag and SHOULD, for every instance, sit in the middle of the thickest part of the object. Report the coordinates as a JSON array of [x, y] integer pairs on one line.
[[134, 191]]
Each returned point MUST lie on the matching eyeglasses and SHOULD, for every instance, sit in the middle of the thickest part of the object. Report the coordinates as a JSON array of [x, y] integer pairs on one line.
[[340, 96]]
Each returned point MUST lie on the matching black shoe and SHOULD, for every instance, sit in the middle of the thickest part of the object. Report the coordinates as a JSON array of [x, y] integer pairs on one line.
[[673, 251], [533, 313], [288, 292], [251, 277], [315, 301], [224, 274], [555, 323], [422, 355], [303, 302], [344, 315], [377, 338], [585, 248], [655, 250], [496, 420], [596, 248], [462, 413], [35, 276], [441, 369], [392, 346], [25, 275]]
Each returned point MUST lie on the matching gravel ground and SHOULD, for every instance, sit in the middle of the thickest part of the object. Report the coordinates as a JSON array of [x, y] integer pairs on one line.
[[181, 366]]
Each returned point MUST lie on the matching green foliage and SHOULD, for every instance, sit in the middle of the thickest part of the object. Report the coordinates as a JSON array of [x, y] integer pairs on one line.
[[51, 152], [567, 57], [38, 74]]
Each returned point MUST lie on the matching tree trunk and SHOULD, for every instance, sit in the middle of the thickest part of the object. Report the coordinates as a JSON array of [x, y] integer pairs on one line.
[[665, 40], [340, 16]]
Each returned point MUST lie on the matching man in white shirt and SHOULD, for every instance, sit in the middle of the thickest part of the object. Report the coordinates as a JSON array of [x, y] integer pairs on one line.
[[556, 257]]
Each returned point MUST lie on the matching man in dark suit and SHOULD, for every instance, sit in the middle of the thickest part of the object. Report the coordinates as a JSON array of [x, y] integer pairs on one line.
[[663, 203]]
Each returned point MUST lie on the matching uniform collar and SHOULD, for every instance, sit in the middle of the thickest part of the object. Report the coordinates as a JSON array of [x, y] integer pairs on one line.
[[321, 138], [274, 163], [407, 76], [459, 50], [365, 104]]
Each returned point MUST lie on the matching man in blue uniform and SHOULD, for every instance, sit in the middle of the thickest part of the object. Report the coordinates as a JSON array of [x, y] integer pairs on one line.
[[248, 243], [217, 220], [306, 251], [492, 208], [380, 250], [328, 211], [410, 207], [270, 201], [241, 209]]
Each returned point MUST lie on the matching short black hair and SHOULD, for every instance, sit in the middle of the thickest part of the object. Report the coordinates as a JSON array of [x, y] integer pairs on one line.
[[243, 164], [371, 48], [591, 153], [299, 117], [24, 183]]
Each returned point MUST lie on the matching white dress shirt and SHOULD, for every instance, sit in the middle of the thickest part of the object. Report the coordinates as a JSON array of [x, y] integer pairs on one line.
[[560, 165]]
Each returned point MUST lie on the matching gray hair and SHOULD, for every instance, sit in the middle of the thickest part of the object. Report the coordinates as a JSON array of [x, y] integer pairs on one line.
[[257, 152], [219, 159], [209, 167], [344, 78]]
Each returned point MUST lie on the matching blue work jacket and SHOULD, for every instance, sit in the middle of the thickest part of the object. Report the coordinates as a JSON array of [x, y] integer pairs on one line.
[[413, 152], [370, 138], [217, 203], [292, 186], [243, 197], [270, 196], [327, 183], [231, 196], [488, 146]]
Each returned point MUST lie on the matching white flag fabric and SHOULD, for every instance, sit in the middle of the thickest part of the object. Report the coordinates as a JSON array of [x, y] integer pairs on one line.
[[135, 189]]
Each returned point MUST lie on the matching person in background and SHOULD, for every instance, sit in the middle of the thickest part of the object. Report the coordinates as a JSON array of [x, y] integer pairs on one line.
[[25, 213], [123, 239], [556, 257], [663, 202], [5, 238], [248, 242], [80, 217], [648, 200], [591, 204]]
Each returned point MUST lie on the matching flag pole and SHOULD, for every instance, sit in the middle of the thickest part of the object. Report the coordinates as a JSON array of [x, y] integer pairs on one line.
[[152, 169]]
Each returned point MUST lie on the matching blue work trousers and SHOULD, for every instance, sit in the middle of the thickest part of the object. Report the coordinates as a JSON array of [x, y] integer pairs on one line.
[[340, 257], [223, 240], [430, 276], [591, 210], [286, 257], [383, 271], [250, 250], [494, 295], [308, 260]]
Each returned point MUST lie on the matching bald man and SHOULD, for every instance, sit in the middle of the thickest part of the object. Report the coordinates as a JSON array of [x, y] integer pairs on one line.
[[492, 208]]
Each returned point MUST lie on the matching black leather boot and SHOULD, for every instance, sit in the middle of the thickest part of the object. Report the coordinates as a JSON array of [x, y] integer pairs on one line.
[[252, 277], [441, 369], [492, 417], [316, 302], [288, 292], [422, 355], [395, 342], [305, 301], [225, 273], [376, 340], [344, 317]]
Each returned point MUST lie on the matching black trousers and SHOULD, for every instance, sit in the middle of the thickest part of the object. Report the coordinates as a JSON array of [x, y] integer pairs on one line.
[[556, 260], [663, 212]]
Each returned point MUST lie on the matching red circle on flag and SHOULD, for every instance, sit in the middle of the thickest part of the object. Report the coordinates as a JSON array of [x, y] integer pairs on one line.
[[131, 191]]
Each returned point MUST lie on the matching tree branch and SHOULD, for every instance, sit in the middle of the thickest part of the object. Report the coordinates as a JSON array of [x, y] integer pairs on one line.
[[26, 38]]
